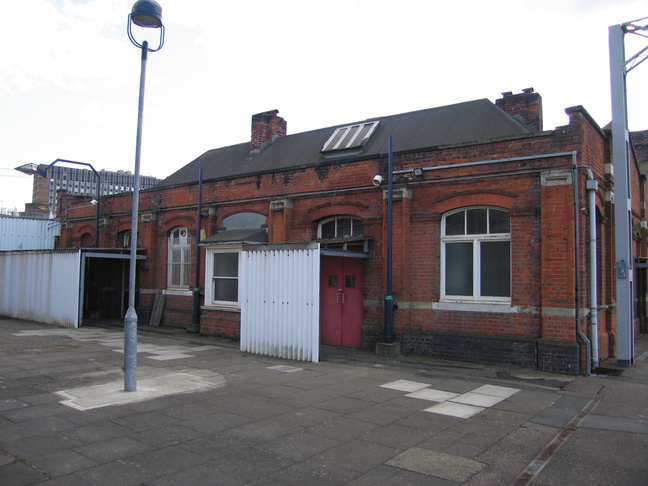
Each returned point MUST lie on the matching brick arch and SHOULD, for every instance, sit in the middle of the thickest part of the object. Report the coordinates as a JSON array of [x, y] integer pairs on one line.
[[239, 210], [500, 199], [121, 227], [86, 228], [178, 221], [351, 209]]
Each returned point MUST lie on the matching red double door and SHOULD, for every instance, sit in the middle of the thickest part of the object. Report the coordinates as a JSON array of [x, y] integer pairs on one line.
[[341, 302]]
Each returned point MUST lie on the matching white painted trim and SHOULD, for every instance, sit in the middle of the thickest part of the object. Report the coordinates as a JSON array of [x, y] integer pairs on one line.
[[476, 307]]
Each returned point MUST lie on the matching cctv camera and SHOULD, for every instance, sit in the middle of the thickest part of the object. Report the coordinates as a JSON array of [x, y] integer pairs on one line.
[[377, 180], [94, 202]]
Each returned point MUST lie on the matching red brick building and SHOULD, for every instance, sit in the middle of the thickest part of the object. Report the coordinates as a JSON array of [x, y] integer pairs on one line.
[[491, 234]]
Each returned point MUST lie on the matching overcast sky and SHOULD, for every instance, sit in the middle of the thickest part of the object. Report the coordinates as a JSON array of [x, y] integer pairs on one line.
[[69, 76]]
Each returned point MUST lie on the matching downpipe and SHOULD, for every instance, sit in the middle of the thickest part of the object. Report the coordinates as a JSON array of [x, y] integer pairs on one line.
[[592, 187], [577, 313]]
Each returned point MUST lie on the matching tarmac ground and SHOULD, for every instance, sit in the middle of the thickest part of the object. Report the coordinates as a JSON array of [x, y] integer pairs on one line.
[[206, 413]]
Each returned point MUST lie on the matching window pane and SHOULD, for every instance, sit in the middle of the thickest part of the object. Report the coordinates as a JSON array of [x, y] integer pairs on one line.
[[333, 281], [244, 221], [455, 224], [498, 221], [175, 274], [226, 289], [349, 282], [343, 228], [496, 269], [459, 269], [477, 219], [226, 265], [328, 230], [185, 274], [357, 227]]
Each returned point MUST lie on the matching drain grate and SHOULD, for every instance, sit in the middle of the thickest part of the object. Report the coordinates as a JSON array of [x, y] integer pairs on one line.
[[607, 371]]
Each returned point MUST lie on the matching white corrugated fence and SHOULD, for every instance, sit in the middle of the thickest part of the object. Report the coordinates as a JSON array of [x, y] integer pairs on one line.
[[41, 286], [279, 299], [28, 234]]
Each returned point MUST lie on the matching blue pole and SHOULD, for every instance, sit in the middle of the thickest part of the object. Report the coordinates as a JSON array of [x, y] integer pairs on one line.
[[389, 299], [196, 293]]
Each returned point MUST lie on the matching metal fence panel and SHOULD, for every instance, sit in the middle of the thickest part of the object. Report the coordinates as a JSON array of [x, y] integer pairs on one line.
[[41, 286], [28, 234], [279, 287]]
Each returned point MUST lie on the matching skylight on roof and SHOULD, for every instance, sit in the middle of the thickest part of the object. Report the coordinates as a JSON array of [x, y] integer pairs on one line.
[[349, 137]]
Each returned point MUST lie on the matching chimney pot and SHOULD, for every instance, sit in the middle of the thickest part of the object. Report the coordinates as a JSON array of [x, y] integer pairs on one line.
[[526, 106]]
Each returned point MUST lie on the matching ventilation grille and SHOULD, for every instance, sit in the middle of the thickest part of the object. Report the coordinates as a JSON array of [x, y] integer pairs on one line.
[[607, 371]]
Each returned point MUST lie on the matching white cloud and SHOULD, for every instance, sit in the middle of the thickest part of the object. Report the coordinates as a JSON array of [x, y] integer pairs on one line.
[[69, 82]]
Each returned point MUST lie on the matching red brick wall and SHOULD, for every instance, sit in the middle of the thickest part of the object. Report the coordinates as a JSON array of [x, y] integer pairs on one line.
[[543, 242]]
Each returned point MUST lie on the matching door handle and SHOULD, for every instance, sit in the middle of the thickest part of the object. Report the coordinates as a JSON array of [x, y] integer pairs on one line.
[[337, 297]]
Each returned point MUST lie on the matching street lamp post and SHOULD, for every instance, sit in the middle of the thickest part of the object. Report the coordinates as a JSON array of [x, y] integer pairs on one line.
[[33, 169], [147, 14], [625, 264]]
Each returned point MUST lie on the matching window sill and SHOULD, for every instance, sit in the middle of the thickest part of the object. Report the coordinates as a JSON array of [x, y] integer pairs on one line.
[[182, 292], [225, 308], [463, 306]]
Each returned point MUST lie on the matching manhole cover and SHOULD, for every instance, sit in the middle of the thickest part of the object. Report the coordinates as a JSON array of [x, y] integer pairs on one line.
[[607, 371]]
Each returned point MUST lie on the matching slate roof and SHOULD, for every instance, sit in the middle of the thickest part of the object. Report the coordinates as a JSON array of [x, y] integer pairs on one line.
[[471, 121]]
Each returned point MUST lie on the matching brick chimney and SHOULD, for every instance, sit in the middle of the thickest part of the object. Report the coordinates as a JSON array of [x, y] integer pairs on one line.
[[525, 106], [266, 126]]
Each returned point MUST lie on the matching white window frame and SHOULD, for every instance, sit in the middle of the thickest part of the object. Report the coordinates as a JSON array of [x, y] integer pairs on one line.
[[476, 240], [183, 264], [336, 219], [209, 277]]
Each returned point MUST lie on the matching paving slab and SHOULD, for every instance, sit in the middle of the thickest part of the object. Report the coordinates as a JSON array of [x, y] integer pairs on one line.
[[245, 419], [438, 464]]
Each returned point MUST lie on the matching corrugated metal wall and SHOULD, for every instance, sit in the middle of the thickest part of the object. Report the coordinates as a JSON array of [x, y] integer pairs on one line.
[[28, 234], [41, 286], [279, 287]]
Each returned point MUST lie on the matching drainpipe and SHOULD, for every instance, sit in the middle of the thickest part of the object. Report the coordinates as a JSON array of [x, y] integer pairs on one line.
[[577, 314], [592, 187]]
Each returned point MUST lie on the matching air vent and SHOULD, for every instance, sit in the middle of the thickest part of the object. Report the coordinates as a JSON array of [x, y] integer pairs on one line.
[[607, 371]]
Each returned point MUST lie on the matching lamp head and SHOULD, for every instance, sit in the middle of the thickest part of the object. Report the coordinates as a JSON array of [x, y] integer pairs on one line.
[[147, 13], [377, 180]]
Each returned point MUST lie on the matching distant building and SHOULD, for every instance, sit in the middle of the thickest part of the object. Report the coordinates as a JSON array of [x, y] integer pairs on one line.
[[80, 182]]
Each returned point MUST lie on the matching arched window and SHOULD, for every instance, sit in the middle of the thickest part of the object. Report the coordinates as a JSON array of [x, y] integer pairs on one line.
[[179, 257], [87, 239], [244, 221], [476, 255], [339, 227], [123, 239]]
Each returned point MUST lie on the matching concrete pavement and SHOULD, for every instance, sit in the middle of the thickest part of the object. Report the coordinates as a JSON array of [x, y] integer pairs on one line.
[[205, 413]]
